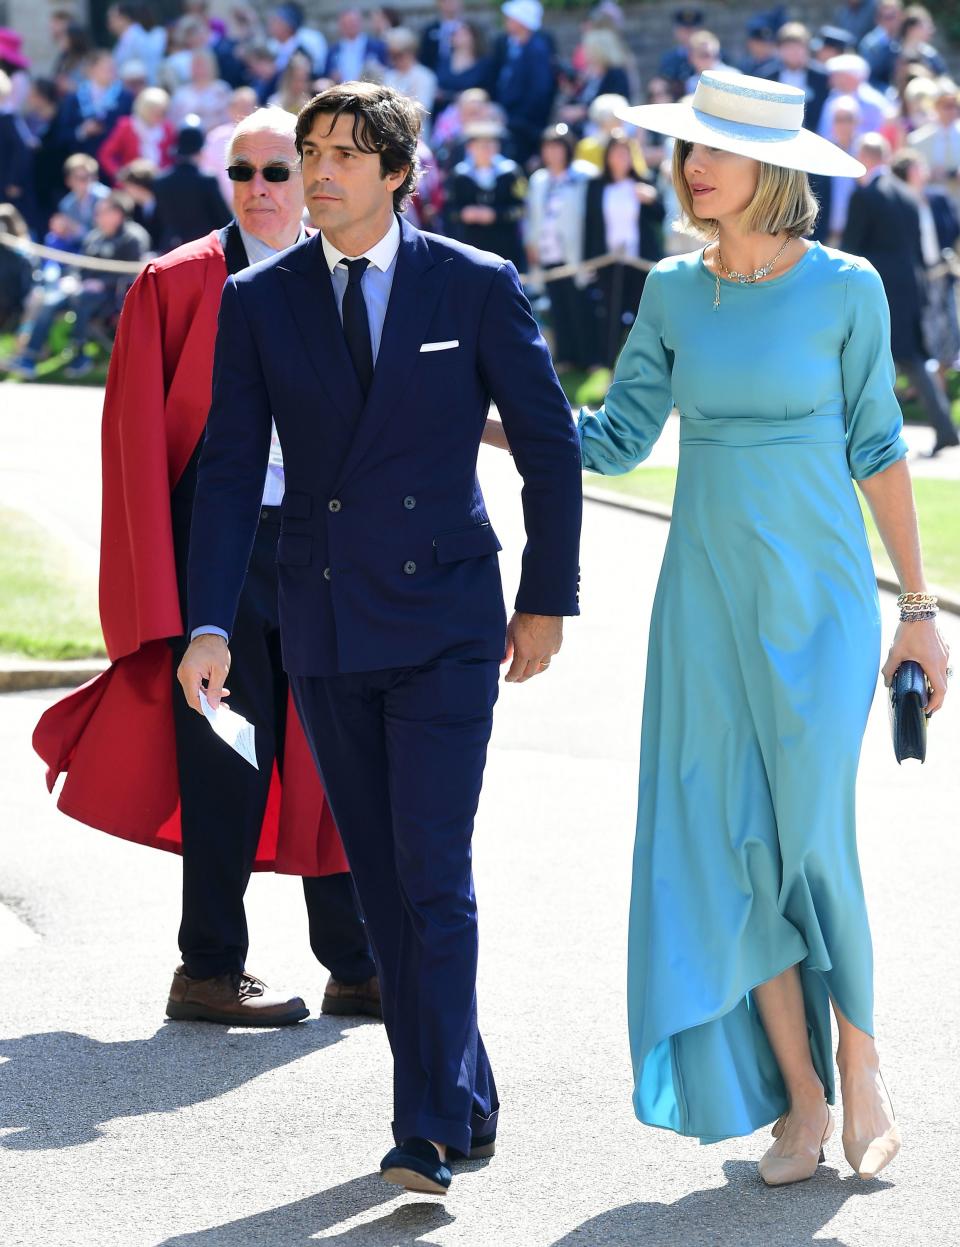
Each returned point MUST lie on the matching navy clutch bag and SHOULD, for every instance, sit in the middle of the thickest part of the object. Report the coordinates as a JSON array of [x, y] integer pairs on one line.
[[908, 706]]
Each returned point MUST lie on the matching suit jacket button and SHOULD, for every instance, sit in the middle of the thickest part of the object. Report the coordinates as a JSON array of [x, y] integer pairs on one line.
[[326, 573], [409, 567], [334, 505], [409, 502]]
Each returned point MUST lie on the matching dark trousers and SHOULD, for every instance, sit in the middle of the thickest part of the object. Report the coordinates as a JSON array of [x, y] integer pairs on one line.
[[618, 288], [222, 802], [402, 753], [573, 318], [935, 403], [86, 304]]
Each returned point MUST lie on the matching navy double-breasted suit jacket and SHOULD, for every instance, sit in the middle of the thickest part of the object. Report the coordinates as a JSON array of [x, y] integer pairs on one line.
[[386, 555]]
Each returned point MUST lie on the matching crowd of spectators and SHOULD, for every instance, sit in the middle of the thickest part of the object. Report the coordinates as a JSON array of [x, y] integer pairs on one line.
[[119, 152]]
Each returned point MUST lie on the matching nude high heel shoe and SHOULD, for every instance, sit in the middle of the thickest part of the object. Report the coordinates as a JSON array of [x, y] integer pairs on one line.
[[868, 1156], [783, 1170]]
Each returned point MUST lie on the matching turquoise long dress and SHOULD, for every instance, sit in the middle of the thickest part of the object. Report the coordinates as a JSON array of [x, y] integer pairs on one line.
[[763, 661]]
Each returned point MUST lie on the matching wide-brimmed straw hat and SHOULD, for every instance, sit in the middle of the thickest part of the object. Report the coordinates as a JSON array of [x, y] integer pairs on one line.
[[751, 117]]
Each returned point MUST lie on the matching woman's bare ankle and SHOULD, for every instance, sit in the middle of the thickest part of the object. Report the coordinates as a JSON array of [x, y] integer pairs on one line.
[[807, 1098], [858, 1060]]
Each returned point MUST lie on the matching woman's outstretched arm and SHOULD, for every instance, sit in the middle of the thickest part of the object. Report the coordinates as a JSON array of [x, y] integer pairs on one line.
[[494, 434]]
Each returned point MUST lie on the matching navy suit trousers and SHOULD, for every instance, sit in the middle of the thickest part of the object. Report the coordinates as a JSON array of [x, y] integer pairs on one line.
[[401, 753]]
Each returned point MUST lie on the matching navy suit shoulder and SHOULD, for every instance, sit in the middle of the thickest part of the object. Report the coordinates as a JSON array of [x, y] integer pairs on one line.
[[443, 248]]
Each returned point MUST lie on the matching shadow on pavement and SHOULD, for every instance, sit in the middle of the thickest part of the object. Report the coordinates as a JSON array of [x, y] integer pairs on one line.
[[58, 1088], [744, 1213], [297, 1224]]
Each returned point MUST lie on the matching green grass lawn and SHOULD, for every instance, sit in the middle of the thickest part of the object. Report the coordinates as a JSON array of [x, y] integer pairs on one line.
[[938, 506], [48, 607], [51, 369]]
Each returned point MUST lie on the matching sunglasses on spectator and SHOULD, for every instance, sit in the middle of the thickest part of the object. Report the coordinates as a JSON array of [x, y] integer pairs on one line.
[[271, 173]]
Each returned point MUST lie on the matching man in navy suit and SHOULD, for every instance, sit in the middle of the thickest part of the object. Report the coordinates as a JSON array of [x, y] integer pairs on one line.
[[378, 349]]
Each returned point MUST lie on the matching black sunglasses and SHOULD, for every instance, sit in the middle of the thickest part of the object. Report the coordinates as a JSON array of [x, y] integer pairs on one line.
[[271, 173]]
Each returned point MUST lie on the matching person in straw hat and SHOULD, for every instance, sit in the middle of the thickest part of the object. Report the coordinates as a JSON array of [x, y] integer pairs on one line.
[[748, 918]]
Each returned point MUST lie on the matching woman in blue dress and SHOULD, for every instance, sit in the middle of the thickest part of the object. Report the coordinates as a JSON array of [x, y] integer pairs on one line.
[[748, 921]]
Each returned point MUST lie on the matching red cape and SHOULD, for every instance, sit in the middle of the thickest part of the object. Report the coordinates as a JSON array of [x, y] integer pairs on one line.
[[114, 736]]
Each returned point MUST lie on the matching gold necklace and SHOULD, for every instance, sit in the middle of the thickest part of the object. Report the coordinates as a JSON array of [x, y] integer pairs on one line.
[[744, 279]]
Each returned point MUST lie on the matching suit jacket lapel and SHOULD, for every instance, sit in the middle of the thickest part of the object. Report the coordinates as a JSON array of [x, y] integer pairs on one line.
[[417, 283], [305, 279]]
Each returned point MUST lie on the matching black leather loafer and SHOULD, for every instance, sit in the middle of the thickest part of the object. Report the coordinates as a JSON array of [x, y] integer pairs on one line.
[[482, 1146], [416, 1166]]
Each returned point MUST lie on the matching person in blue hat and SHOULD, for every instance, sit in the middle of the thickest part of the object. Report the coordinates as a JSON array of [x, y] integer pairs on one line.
[[675, 64], [830, 41], [761, 46]]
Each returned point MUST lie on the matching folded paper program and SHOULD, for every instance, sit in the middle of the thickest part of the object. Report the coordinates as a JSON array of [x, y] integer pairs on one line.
[[231, 728]]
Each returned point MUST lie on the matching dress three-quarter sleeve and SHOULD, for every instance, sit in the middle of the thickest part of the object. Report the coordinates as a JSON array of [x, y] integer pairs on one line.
[[873, 414], [622, 433]]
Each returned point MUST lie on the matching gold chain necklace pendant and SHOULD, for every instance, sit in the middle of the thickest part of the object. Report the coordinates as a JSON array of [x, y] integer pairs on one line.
[[743, 279]]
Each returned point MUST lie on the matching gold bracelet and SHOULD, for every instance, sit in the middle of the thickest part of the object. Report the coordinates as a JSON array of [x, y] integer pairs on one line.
[[924, 600]]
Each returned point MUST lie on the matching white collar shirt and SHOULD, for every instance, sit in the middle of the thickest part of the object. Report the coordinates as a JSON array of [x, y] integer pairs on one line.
[[376, 282]]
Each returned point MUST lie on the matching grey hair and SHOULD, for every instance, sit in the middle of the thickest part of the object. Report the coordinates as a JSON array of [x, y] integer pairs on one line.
[[874, 147], [270, 120]]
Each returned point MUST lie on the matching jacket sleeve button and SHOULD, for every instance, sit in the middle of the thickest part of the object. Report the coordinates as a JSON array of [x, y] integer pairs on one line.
[[409, 502], [409, 567]]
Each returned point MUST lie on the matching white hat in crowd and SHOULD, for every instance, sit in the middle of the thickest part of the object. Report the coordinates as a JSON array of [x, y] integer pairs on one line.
[[528, 13], [848, 63], [751, 117]]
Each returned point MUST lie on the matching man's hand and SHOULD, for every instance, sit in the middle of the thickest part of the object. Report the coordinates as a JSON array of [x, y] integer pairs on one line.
[[532, 640], [207, 658]]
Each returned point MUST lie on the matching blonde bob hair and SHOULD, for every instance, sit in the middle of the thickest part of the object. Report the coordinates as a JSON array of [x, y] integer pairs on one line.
[[783, 203]]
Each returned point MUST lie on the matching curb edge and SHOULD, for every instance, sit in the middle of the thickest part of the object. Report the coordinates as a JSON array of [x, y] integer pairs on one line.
[[26, 677]]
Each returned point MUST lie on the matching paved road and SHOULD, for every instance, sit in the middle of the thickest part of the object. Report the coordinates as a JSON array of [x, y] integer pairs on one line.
[[119, 1131]]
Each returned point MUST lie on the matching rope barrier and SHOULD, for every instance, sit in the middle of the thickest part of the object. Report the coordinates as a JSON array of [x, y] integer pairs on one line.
[[949, 265], [544, 276], [70, 259]]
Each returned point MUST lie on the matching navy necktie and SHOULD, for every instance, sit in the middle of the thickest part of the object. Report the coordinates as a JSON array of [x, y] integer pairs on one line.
[[356, 327]]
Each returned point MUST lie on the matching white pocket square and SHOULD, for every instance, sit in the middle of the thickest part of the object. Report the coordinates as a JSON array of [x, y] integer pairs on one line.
[[440, 346]]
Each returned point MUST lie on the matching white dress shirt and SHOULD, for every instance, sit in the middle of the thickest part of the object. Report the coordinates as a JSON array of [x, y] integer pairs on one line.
[[621, 217], [258, 250], [376, 282]]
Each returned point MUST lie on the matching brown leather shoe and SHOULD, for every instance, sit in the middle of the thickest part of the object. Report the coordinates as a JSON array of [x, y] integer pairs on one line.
[[231, 999], [349, 999]]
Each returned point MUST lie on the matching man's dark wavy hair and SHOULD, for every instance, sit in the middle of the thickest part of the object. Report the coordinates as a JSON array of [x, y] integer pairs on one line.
[[384, 122]]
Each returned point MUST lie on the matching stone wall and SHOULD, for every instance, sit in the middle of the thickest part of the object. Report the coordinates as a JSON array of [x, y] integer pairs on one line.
[[30, 19]]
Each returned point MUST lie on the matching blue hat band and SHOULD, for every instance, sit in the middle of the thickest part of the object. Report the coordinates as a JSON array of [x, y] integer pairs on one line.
[[741, 130]]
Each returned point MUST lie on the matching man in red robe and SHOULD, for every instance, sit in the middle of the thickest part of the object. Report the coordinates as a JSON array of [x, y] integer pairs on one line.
[[140, 764]]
